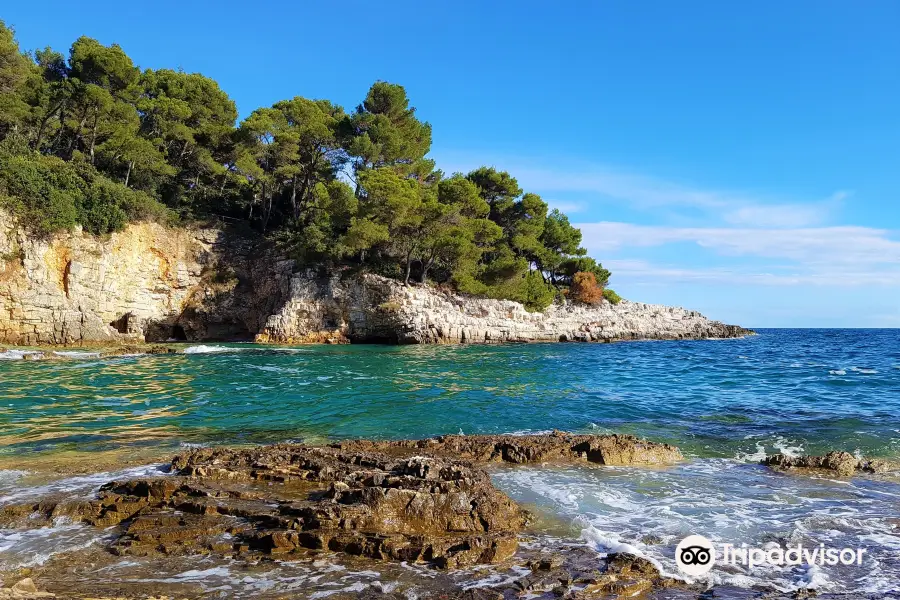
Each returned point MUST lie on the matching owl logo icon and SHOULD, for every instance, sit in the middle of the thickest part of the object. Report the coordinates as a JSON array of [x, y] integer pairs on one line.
[[695, 555]]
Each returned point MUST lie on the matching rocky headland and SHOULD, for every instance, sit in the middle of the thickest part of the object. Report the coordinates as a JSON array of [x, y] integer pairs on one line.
[[150, 283]]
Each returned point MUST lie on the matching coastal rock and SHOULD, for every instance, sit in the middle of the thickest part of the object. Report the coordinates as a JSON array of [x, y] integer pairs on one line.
[[24, 589], [842, 463], [372, 308], [410, 500], [557, 447], [149, 283], [285, 500]]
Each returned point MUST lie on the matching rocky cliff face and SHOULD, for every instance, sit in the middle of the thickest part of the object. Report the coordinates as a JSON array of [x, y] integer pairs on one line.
[[145, 283], [150, 283], [372, 308]]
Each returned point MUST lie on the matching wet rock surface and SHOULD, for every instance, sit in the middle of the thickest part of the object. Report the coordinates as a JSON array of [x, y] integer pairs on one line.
[[22, 589], [552, 447], [544, 568], [842, 463], [425, 510], [283, 500]]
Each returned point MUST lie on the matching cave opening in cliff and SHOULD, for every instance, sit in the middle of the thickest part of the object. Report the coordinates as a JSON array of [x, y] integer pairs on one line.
[[121, 324], [178, 334]]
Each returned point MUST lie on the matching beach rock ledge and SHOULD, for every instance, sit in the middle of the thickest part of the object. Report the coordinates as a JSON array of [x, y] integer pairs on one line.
[[417, 501]]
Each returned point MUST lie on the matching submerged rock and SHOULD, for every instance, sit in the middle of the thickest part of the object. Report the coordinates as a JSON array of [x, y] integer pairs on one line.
[[842, 463], [557, 446]]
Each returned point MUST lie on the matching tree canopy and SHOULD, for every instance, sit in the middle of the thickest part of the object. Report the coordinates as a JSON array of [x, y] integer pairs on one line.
[[88, 138]]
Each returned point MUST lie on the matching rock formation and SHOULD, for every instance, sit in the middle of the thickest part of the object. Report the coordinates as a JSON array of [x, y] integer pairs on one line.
[[556, 447], [439, 511], [150, 283], [842, 463], [411, 500]]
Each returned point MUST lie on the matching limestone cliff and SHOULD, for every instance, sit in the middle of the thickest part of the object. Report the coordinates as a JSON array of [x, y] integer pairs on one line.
[[146, 282], [151, 283], [373, 308]]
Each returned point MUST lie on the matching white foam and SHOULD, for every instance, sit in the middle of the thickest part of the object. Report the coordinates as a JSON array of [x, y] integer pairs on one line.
[[753, 457], [646, 512], [274, 368], [609, 544], [20, 354], [837, 372], [76, 354], [204, 349], [785, 447], [192, 445], [204, 573], [34, 547], [523, 432], [863, 370], [82, 485]]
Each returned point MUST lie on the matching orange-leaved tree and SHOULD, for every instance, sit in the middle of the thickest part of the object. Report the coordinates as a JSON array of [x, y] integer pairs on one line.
[[584, 289]]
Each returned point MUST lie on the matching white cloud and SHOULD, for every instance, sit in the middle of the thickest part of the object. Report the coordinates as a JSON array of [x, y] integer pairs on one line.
[[749, 237], [646, 192], [643, 272], [844, 244], [566, 207], [839, 256]]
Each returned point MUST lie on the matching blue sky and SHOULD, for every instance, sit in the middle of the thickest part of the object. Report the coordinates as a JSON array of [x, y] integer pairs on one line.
[[742, 159]]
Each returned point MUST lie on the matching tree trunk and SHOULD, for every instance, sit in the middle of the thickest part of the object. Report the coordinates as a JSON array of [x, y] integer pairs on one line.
[[94, 135], [294, 197], [43, 127], [128, 174], [408, 269], [77, 137], [426, 266]]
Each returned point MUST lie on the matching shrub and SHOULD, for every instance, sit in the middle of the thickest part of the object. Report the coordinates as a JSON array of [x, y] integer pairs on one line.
[[389, 307], [50, 195], [584, 289], [43, 191], [611, 297], [538, 294], [101, 209]]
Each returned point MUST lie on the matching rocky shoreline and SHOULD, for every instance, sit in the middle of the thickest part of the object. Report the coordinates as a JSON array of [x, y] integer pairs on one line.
[[427, 502], [153, 284], [376, 504]]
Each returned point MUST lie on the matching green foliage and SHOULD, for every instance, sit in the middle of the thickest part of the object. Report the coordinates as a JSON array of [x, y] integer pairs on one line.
[[537, 294], [389, 307], [44, 191], [51, 195], [88, 138], [611, 297], [384, 132]]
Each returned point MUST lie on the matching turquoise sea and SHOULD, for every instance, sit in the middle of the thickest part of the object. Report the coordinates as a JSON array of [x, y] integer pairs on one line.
[[726, 403]]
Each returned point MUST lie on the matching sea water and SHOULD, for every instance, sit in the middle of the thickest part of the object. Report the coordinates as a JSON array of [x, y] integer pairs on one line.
[[726, 403]]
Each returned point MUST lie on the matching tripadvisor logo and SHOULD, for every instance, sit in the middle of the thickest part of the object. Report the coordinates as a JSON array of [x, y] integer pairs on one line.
[[695, 555]]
